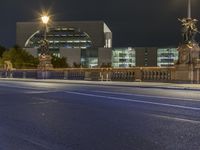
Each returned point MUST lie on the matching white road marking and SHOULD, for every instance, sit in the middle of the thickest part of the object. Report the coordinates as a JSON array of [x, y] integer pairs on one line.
[[33, 90], [149, 96], [43, 101], [40, 92], [134, 100], [36, 92], [20, 87], [175, 118], [38, 143]]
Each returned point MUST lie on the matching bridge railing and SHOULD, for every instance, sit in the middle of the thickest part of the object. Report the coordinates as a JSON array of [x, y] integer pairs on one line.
[[96, 74], [158, 74]]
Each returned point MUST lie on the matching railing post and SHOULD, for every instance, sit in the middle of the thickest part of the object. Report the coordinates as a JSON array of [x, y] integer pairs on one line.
[[197, 75], [101, 76], [11, 74], [24, 75], [138, 74], [65, 75]]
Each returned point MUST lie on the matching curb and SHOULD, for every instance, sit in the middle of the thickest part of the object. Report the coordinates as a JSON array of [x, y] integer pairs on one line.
[[102, 84]]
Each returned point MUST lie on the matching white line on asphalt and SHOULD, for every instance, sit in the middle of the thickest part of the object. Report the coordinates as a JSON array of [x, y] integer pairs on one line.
[[39, 92], [32, 89], [36, 92], [134, 100], [175, 118], [149, 96], [20, 87], [43, 101]]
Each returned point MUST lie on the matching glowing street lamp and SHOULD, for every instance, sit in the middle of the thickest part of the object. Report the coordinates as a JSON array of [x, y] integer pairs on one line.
[[45, 19], [45, 57]]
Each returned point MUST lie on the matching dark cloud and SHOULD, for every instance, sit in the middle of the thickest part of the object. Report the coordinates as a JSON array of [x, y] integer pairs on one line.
[[133, 22]]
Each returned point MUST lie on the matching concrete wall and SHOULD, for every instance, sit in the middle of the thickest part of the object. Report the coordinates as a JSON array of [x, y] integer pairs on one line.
[[152, 57], [140, 62], [24, 31], [72, 55], [104, 56], [146, 56], [32, 51], [183, 72]]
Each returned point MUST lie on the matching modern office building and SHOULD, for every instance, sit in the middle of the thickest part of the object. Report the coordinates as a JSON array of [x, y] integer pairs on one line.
[[81, 42], [146, 56], [90, 58], [167, 57], [123, 57], [153, 57], [89, 44]]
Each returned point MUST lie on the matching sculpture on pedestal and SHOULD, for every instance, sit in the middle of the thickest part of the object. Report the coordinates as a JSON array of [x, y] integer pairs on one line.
[[188, 65], [45, 57], [189, 29], [189, 48]]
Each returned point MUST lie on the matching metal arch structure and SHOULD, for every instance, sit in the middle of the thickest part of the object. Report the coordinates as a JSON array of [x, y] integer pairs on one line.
[[29, 39], [55, 37]]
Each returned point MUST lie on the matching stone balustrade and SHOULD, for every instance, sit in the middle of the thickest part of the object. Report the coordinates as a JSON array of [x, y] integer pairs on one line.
[[97, 74], [158, 74]]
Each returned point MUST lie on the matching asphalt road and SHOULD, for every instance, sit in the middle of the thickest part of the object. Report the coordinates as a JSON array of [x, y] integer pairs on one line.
[[50, 116]]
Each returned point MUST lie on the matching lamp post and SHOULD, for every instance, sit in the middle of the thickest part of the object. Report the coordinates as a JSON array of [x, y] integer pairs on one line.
[[189, 9], [45, 58], [45, 44], [45, 20]]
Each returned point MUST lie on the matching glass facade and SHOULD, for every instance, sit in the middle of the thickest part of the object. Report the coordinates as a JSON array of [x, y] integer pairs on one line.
[[167, 57], [123, 57], [60, 37], [89, 58]]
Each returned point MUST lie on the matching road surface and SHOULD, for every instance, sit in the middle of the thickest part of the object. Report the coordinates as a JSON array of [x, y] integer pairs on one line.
[[51, 116]]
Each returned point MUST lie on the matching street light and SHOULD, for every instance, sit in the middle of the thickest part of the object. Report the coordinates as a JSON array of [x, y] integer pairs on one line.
[[45, 57], [45, 19], [189, 9]]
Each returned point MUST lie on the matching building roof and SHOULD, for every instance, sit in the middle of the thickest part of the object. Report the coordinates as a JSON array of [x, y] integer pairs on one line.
[[95, 29]]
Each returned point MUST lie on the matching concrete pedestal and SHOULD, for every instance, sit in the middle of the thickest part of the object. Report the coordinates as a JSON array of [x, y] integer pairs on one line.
[[45, 62], [184, 73]]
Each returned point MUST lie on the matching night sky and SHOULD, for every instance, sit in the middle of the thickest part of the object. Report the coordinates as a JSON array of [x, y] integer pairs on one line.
[[133, 22]]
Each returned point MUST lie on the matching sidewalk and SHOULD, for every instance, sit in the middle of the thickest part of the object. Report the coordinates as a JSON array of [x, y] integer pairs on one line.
[[157, 85]]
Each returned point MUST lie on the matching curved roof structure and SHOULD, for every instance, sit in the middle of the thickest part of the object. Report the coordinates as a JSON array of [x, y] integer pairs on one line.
[[97, 31], [60, 37]]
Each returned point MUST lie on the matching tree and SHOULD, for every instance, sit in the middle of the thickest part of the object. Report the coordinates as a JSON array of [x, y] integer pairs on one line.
[[59, 62], [2, 50], [76, 65], [104, 65], [20, 58], [1, 63]]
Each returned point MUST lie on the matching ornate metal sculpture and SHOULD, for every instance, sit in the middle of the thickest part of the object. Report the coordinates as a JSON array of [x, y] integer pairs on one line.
[[45, 57], [44, 47], [189, 29], [189, 49]]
